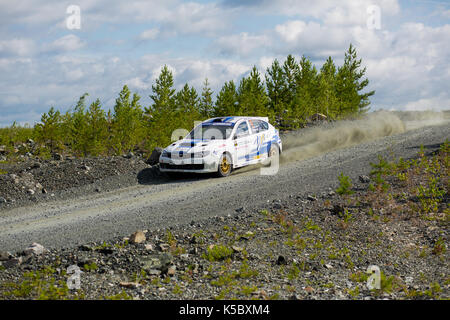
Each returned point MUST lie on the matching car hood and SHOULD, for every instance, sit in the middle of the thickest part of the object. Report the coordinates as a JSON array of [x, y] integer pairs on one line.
[[193, 145]]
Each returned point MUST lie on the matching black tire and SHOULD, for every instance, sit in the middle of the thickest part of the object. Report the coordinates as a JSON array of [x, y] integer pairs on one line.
[[225, 165], [273, 151]]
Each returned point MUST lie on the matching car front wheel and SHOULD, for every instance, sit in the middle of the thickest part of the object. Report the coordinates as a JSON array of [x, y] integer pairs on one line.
[[225, 165]]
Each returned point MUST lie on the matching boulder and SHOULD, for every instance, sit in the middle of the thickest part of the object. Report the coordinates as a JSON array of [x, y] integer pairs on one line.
[[35, 249], [154, 157], [364, 179], [130, 285], [309, 290], [5, 255], [149, 247], [138, 237], [163, 247], [14, 178], [237, 249], [160, 262], [85, 167], [171, 271], [338, 209], [129, 155], [57, 156], [281, 260], [13, 262]]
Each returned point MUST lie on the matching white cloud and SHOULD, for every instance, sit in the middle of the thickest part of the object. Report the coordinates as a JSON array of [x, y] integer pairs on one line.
[[408, 67], [191, 17], [406, 64], [173, 16], [266, 62], [74, 75], [149, 34], [310, 37], [328, 10], [66, 43], [242, 44], [291, 30], [17, 47], [193, 71], [440, 102], [139, 83]]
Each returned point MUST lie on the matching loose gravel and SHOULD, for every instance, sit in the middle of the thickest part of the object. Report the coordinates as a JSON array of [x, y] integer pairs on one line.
[[188, 220]]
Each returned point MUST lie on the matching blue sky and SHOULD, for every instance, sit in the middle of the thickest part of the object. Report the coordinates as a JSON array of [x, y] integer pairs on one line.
[[44, 64]]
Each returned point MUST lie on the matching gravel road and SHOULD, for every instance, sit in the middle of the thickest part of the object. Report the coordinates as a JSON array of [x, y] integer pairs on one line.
[[159, 203]]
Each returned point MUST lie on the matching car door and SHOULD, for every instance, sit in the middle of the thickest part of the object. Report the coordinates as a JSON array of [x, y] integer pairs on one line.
[[255, 138], [264, 139], [241, 142]]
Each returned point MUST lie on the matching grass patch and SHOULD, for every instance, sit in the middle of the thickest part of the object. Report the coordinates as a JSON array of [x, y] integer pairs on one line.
[[217, 253]]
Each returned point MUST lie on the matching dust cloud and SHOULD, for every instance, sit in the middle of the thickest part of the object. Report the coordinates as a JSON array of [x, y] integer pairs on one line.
[[310, 142]]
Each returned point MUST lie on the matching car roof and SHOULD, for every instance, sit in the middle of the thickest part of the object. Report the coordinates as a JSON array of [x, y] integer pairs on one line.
[[233, 119]]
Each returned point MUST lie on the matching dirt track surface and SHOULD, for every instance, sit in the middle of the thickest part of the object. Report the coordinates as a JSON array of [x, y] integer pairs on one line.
[[151, 203]]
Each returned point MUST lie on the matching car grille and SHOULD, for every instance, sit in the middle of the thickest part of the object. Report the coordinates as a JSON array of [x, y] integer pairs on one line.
[[193, 166], [185, 155]]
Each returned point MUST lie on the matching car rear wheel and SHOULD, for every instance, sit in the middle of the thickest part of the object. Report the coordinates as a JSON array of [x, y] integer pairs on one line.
[[225, 165], [274, 151]]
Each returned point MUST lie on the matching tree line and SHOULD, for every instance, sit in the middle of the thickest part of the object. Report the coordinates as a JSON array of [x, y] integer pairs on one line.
[[289, 94]]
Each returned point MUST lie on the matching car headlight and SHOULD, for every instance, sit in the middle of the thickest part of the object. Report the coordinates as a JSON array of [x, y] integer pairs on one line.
[[201, 154]]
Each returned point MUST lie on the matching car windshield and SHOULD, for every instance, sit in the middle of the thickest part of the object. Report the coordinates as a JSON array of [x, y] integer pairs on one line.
[[211, 132]]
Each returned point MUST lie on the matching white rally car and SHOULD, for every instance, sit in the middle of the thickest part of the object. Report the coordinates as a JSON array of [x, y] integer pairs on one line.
[[221, 145]]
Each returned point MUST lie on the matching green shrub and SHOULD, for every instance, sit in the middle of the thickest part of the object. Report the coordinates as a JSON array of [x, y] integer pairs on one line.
[[345, 185], [40, 285], [218, 252]]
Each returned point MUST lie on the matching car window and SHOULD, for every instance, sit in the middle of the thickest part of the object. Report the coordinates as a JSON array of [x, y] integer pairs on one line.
[[263, 126], [207, 131], [242, 130], [258, 126], [254, 126]]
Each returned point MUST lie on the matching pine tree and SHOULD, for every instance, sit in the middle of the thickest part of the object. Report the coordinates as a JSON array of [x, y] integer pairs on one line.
[[77, 124], [326, 98], [349, 83], [226, 101], [291, 72], [127, 122], [276, 89], [187, 107], [50, 129], [96, 130], [306, 89], [206, 102], [252, 96], [163, 94], [161, 115]]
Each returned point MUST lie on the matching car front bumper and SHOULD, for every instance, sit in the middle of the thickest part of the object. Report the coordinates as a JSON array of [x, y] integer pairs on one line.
[[198, 165]]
